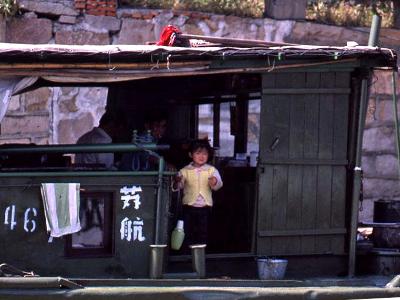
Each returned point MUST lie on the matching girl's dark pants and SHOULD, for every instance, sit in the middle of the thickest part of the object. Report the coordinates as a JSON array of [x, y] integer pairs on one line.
[[195, 224]]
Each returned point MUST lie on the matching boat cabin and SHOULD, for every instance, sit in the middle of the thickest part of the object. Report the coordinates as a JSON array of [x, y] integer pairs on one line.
[[294, 201]]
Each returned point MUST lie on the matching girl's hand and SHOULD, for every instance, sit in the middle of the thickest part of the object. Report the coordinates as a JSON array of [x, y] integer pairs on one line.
[[212, 181], [177, 179]]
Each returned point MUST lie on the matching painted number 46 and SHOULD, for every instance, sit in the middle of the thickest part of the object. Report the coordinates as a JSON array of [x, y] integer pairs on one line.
[[29, 215]]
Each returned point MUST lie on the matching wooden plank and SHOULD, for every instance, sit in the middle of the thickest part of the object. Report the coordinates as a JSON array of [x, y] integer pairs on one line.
[[340, 137], [296, 148], [296, 131], [311, 120], [279, 144], [309, 208], [294, 204], [305, 232], [267, 119], [279, 206], [338, 213], [264, 221], [310, 152], [268, 80], [285, 130], [325, 151], [265, 174], [301, 91]]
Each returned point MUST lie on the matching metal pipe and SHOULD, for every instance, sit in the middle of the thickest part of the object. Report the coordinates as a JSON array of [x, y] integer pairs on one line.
[[161, 166], [396, 118], [199, 259], [394, 283], [375, 29], [357, 177], [372, 42], [37, 283], [82, 174], [157, 253], [92, 148]]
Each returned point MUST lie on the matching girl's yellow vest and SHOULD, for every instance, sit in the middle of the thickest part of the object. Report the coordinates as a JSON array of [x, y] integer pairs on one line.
[[197, 185]]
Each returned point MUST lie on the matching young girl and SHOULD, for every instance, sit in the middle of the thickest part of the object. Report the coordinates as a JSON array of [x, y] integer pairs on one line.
[[197, 179]]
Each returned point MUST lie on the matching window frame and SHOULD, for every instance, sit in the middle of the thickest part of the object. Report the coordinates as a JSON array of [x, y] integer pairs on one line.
[[108, 225]]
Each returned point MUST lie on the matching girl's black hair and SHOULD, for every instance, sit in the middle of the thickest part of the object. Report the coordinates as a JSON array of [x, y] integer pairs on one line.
[[202, 144]]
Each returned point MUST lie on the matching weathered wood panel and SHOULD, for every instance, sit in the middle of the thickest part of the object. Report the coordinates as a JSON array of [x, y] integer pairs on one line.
[[303, 157]]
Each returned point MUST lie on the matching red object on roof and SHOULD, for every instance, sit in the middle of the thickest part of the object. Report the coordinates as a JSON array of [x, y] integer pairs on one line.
[[168, 35]]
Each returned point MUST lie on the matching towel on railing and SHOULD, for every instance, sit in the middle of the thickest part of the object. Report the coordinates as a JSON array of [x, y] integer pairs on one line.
[[61, 207]]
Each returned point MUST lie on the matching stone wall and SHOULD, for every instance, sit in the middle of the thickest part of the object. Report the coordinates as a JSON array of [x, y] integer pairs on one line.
[[61, 115]]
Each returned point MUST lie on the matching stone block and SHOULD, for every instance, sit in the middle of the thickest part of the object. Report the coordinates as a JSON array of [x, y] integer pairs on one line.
[[389, 38], [92, 98], [14, 141], [286, 9], [381, 188], [41, 140], [379, 139], [192, 29], [135, 31], [15, 104], [383, 83], [69, 130], [275, 30], [47, 8], [102, 23], [368, 165], [25, 124], [387, 165], [82, 38], [367, 212], [382, 110], [37, 100], [320, 34], [29, 31], [67, 19], [162, 20], [68, 105]]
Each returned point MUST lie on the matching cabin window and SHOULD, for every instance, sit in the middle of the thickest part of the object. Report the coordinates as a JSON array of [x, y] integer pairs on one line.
[[95, 237], [253, 126], [226, 140]]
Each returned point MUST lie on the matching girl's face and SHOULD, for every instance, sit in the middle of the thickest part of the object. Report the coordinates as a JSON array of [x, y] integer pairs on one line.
[[200, 157]]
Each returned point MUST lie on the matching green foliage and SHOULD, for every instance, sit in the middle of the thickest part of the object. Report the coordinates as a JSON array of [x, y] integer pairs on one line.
[[350, 12], [8, 7]]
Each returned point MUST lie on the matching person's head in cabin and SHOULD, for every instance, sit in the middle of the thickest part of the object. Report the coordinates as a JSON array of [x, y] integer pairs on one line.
[[112, 126], [156, 122], [200, 152]]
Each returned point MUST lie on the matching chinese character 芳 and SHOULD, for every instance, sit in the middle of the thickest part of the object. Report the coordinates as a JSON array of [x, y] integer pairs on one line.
[[131, 194]]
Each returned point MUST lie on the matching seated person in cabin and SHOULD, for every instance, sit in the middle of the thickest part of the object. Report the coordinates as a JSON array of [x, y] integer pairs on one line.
[[198, 180], [103, 134], [155, 127]]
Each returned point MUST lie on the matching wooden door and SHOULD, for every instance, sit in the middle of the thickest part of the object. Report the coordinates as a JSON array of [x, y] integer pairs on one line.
[[303, 163]]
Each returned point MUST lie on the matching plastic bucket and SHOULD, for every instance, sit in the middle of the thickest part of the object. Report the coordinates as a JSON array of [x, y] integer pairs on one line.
[[271, 268]]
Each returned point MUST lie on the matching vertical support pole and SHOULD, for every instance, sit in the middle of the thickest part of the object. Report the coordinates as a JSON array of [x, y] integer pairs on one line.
[[372, 42], [216, 123], [396, 118], [161, 166], [375, 29], [199, 259], [357, 178], [242, 111], [156, 261]]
